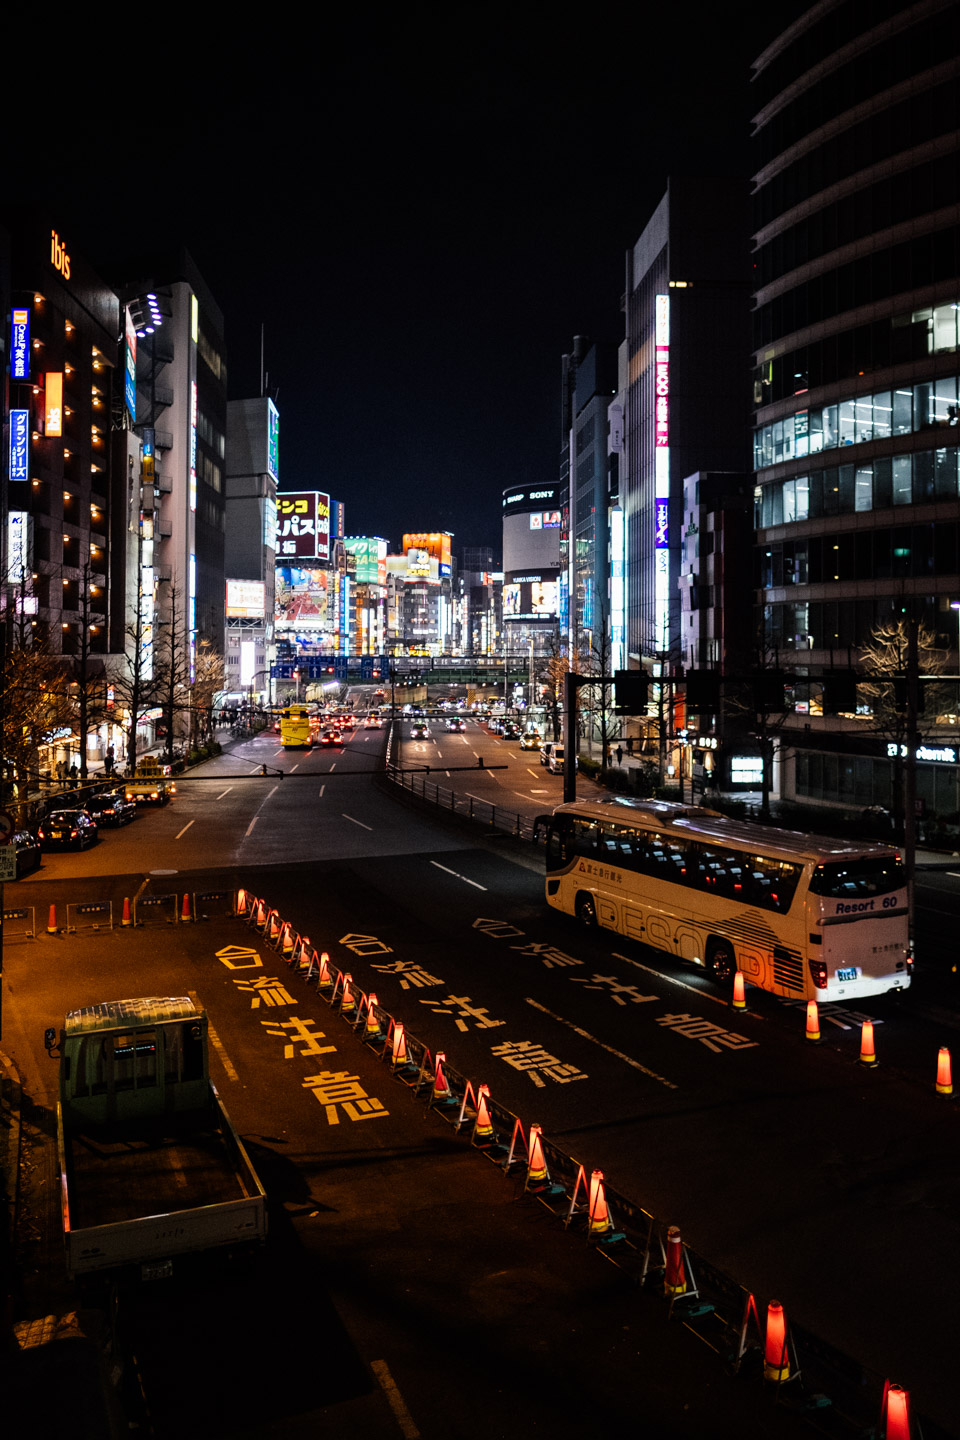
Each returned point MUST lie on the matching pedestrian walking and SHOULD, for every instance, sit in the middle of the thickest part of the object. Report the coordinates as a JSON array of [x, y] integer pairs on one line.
[[619, 754]]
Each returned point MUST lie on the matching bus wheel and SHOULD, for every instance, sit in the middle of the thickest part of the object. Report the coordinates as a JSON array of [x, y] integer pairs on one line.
[[721, 961], [586, 911]]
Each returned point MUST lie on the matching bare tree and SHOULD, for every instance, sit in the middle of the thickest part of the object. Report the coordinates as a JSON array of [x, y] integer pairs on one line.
[[599, 693], [208, 682]]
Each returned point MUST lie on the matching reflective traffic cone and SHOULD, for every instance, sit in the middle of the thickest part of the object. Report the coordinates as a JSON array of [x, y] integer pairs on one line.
[[598, 1216], [483, 1125], [776, 1364], [944, 1073], [288, 941], [813, 1021], [273, 928], [371, 1030], [441, 1090], [348, 1002], [674, 1275], [537, 1173], [241, 907], [895, 1419], [185, 916], [125, 918], [739, 992], [52, 921], [399, 1051], [261, 915], [868, 1056], [324, 978]]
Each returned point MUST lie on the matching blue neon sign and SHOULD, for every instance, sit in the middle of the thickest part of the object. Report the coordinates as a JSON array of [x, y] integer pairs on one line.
[[19, 343], [19, 444]]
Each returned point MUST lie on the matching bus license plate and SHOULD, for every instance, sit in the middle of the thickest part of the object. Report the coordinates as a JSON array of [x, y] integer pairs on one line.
[[848, 974]]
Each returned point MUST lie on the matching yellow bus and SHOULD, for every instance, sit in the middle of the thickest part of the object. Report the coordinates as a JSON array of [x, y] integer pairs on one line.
[[804, 916], [295, 729]]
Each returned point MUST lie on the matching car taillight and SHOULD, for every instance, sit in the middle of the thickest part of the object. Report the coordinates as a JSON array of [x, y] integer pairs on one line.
[[74, 834], [818, 973]]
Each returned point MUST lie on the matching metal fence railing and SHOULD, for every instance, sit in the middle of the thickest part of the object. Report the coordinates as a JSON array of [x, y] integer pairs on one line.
[[469, 807]]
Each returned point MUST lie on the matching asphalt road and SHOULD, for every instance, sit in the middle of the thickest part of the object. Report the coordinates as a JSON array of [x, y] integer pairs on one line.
[[788, 1165]]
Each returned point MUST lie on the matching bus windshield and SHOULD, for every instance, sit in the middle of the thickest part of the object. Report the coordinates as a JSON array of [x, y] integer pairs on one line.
[[845, 878]]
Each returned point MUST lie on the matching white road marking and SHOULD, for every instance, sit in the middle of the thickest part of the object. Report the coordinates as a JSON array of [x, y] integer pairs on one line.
[[458, 876], [272, 793], [250, 827], [225, 792], [217, 1043], [295, 767], [670, 979], [585, 1035], [184, 830], [357, 822], [322, 788], [395, 1400]]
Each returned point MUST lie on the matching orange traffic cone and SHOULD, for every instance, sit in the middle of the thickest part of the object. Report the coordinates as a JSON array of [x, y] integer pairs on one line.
[[126, 920], [868, 1055], [944, 1073], [537, 1173], [261, 915], [241, 908], [399, 1053], [348, 1003], [52, 921], [598, 1216], [287, 944], [895, 1419], [674, 1275], [441, 1087], [776, 1364], [739, 992], [324, 980], [813, 1021], [185, 916], [274, 928], [371, 1030], [483, 1125]]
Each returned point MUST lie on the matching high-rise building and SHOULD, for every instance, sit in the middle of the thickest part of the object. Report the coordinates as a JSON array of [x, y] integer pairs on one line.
[[252, 468], [532, 524], [589, 381], [685, 404], [857, 301]]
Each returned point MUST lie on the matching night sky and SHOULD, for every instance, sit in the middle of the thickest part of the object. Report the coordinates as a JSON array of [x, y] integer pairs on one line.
[[422, 210]]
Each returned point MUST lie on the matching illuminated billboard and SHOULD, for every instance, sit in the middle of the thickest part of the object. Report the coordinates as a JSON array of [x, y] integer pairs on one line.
[[19, 344], [545, 520], [130, 365], [303, 526], [53, 403], [304, 598], [370, 557], [273, 441], [435, 542], [246, 600], [532, 597], [19, 445]]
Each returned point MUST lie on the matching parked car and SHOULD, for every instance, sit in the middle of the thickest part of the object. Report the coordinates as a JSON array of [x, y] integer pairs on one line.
[[67, 830], [546, 750], [555, 763], [27, 847], [111, 807]]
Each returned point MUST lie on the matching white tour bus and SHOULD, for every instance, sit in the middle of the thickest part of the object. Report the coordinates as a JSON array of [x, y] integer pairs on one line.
[[804, 916]]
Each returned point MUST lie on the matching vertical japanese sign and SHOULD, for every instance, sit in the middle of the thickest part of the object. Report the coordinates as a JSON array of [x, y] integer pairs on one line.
[[19, 444], [130, 365], [303, 526], [273, 441], [53, 403], [19, 344], [662, 471]]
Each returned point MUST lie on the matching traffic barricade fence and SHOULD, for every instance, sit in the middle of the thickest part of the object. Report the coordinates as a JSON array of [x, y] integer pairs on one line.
[[92, 915], [213, 904], [156, 910], [20, 924], [713, 1306]]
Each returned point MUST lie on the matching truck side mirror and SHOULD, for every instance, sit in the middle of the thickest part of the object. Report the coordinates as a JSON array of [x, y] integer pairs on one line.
[[50, 1040]]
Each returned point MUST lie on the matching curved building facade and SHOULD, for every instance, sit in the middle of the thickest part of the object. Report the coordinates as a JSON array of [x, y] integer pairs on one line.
[[533, 602], [856, 309]]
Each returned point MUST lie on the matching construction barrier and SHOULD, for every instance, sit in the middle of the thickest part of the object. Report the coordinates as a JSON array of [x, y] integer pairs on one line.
[[156, 910], [20, 924], [868, 1053], [944, 1072], [94, 915], [126, 918], [213, 904]]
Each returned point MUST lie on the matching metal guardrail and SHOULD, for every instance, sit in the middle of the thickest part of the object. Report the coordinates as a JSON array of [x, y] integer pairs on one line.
[[468, 807]]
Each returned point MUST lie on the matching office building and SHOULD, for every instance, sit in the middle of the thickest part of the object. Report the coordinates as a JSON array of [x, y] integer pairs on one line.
[[251, 475], [856, 295]]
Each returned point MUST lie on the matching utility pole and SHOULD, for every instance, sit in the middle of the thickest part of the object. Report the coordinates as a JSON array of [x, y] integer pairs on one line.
[[910, 762]]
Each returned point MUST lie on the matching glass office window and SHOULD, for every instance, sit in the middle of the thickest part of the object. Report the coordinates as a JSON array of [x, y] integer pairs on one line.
[[902, 412], [803, 496], [848, 423], [882, 415], [902, 480], [863, 489], [789, 501]]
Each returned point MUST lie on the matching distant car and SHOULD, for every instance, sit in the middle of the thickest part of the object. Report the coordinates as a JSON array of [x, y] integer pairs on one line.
[[111, 807], [511, 731], [27, 847], [530, 740], [495, 725], [555, 762], [331, 737], [419, 731], [67, 830], [457, 726], [546, 750], [346, 723]]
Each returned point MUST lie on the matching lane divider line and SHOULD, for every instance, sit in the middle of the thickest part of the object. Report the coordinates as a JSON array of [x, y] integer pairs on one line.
[[395, 1400], [184, 830], [456, 874], [250, 827], [703, 994], [357, 822], [225, 792], [217, 1043], [585, 1035]]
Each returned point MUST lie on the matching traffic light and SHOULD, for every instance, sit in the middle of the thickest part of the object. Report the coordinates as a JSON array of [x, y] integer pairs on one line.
[[631, 689], [703, 691], [839, 692]]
